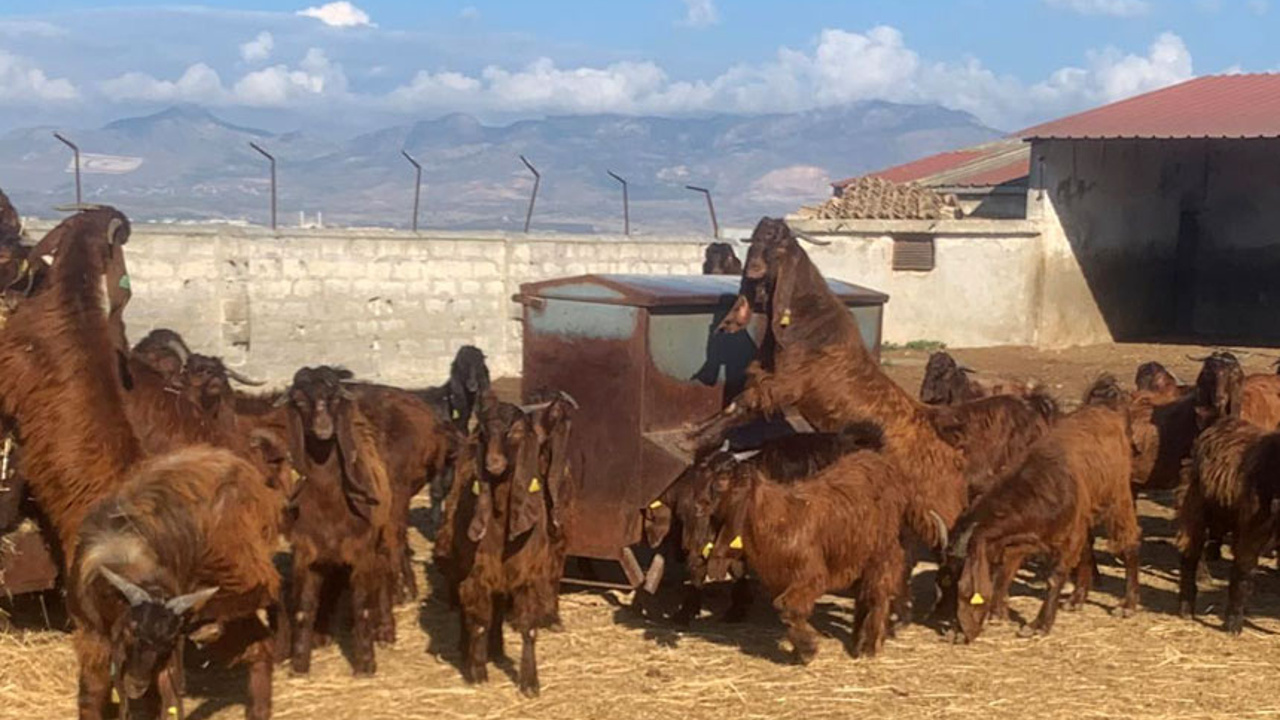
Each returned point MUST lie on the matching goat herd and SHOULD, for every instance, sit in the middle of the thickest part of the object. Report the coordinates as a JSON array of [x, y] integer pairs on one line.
[[167, 493]]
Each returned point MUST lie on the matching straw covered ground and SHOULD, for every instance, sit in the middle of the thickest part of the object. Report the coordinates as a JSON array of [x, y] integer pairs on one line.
[[609, 664]]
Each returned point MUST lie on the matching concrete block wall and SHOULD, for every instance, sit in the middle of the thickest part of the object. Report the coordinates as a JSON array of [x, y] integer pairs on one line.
[[392, 306]]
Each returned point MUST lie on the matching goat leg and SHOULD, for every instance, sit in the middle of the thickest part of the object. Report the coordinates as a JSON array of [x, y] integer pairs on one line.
[[94, 654], [259, 657], [497, 651], [529, 685], [1084, 576], [795, 606], [1192, 541], [366, 610], [1008, 570], [1245, 550], [739, 601], [307, 587], [1049, 610], [475, 660]]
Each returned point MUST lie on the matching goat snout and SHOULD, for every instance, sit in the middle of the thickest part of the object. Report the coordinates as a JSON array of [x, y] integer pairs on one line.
[[322, 423], [495, 462]]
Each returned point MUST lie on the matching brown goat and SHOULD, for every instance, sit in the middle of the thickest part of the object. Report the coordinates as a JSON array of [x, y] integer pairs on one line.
[[1076, 475], [1228, 486], [719, 259], [164, 351], [341, 518], [994, 433], [416, 446], [843, 529], [189, 537], [685, 508], [62, 370], [455, 403], [812, 357], [947, 382], [502, 559], [1152, 377]]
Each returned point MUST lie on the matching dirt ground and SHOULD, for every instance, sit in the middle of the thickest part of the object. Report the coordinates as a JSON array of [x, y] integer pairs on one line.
[[610, 664]]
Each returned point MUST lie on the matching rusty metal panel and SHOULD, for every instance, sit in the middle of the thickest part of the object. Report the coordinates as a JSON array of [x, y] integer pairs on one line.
[[26, 564]]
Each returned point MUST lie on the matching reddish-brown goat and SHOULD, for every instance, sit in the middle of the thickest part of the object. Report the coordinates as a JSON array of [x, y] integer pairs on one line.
[[502, 560], [947, 382], [1075, 476], [62, 366], [1227, 486], [341, 516]]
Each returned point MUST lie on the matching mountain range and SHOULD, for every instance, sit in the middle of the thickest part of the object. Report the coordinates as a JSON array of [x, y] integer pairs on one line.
[[187, 163]]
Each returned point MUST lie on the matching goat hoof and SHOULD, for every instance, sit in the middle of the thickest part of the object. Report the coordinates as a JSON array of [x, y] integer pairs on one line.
[[477, 675], [557, 626], [321, 640], [364, 670], [530, 690], [1123, 612], [300, 669], [1030, 631], [1234, 624], [1186, 610]]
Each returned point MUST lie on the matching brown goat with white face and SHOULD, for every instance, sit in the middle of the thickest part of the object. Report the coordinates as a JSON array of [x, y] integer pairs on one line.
[[341, 515], [1228, 486]]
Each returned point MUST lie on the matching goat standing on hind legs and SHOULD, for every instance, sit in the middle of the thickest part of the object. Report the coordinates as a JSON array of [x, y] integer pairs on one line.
[[1228, 485]]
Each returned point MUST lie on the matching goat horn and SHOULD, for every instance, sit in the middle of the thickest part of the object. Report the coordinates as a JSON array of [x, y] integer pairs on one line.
[[1193, 358], [134, 594], [183, 604], [810, 239], [112, 227], [942, 529], [966, 369], [282, 400], [961, 547], [179, 347], [745, 455], [724, 447], [243, 380], [569, 398]]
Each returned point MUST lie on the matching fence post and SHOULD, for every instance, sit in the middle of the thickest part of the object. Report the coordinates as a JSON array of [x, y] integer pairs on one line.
[[711, 208], [626, 203], [75, 149], [417, 185], [537, 180], [272, 159]]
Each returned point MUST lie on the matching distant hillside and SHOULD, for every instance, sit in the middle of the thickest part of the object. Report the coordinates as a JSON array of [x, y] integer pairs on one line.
[[186, 163]]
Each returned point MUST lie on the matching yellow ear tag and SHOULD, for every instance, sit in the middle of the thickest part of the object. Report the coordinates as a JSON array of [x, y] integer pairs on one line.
[[786, 318], [475, 488], [173, 710], [115, 697], [977, 599], [706, 550], [294, 475], [736, 543], [655, 504], [534, 485], [456, 414]]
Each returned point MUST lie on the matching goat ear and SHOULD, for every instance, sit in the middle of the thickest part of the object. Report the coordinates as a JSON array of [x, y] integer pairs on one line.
[[560, 477], [296, 437], [527, 502], [457, 397], [357, 481], [482, 497], [783, 288], [975, 579]]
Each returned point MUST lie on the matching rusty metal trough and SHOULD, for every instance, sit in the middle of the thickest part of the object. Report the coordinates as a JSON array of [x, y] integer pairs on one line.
[[640, 355]]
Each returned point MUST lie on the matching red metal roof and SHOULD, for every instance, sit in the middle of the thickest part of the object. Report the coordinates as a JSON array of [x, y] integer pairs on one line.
[[994, 163], [1214, 106]]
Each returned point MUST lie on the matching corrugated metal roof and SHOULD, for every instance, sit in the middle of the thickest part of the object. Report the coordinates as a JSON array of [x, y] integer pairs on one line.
[[995, 163], [670, 290], [1214, 106]]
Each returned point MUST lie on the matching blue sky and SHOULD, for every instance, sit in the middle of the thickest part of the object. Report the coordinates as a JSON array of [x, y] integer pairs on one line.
[[1009, 62]]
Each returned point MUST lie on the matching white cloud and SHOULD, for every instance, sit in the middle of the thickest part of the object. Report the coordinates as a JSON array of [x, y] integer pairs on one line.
[[842, 67], [23, 82], [199, 83], [338, 14], [469, 13], [1114, 8], [1259, 7], [258, 48], [275, 86], [700, 13]]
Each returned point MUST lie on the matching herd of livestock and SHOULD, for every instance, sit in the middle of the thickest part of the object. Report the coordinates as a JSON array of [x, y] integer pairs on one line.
[[168, 494]]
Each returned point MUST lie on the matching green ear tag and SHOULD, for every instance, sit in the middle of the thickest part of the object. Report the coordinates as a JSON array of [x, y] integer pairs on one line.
[[124, 282]]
